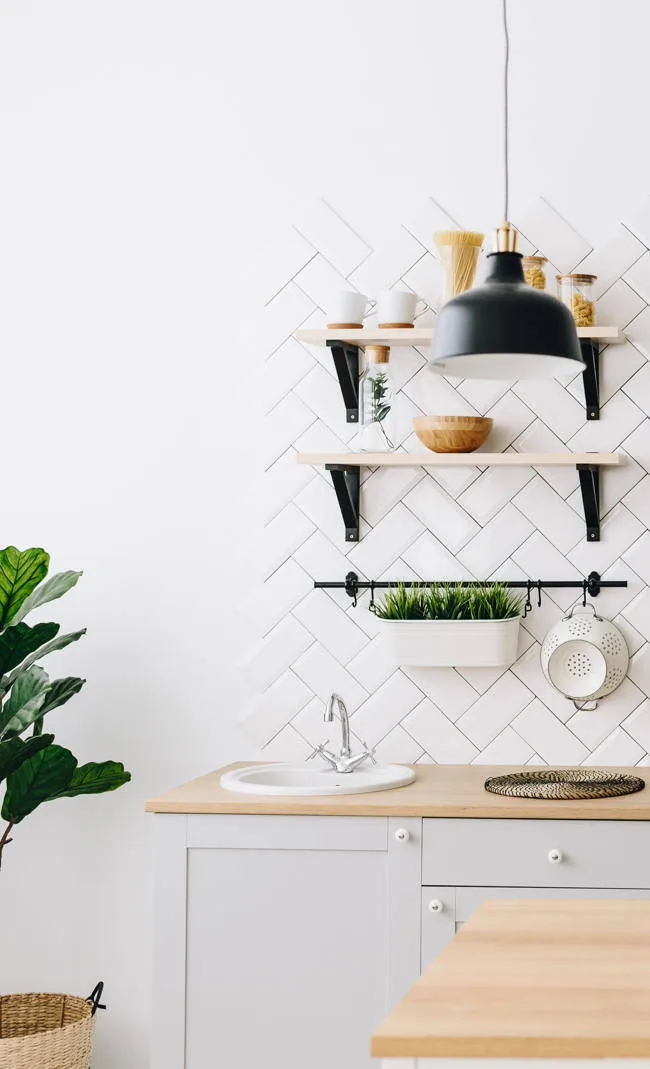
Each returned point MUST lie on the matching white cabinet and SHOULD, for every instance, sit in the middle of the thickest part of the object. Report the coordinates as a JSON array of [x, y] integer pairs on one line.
[[281, 941]]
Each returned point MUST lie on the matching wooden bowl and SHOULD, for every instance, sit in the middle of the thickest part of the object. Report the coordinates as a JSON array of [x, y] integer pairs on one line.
[[452, 434]]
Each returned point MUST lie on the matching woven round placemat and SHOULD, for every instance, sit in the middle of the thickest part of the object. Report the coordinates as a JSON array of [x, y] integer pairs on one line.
[[564, 783]]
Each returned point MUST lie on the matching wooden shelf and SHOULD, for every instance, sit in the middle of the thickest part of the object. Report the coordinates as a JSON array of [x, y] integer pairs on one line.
[[345, 470], [439, 460], [345, 345], [405, 336], [611, 335], [396, 338]]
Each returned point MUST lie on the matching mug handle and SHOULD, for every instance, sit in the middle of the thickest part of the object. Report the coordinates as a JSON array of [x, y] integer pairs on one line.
[[420, 311], [370, 309]]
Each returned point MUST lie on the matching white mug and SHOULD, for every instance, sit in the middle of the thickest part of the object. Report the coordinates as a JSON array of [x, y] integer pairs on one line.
[[349, 308], [398, 308]]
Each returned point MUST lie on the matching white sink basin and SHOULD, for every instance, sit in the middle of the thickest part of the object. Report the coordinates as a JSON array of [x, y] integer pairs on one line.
[[305, 779]]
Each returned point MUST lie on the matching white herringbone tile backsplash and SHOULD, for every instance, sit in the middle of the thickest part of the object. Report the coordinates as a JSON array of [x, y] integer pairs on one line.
[[456, 523]]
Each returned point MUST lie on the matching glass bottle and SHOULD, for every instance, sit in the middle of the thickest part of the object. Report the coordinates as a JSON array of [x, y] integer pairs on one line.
[[376, 397]]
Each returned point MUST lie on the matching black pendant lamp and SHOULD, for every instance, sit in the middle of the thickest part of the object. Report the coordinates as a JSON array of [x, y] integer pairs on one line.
[[504, 328]]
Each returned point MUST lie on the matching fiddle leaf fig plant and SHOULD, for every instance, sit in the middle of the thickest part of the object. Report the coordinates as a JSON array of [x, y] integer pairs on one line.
[[35, 770]]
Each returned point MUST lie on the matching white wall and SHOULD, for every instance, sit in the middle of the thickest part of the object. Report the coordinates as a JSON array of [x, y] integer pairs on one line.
[[151, 151]]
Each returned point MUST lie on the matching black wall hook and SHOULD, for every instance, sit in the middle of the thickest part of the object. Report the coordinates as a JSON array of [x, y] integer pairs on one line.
[[528, 607], [539, 593], [351, 587]]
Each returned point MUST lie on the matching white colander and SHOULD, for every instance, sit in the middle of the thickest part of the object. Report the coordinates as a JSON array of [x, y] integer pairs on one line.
[[584, 657]]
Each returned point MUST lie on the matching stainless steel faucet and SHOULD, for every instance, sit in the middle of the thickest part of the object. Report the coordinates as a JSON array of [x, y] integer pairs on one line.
[[345, 760]]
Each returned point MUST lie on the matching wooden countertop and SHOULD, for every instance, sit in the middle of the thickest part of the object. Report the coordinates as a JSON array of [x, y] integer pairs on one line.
[[438, 791], [532, 979]]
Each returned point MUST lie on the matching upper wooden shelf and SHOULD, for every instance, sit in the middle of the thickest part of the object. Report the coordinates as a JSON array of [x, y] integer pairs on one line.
[[432, 460], [405, 336], [396, 337]]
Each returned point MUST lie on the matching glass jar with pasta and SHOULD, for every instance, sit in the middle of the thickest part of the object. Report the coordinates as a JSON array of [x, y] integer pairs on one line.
[[577, 292], [534, 271]]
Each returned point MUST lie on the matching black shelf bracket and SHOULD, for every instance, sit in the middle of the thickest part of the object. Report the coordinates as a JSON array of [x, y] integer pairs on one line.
[[590, 351], [347, 484], [589, 475], [346, 363], [346, 479]]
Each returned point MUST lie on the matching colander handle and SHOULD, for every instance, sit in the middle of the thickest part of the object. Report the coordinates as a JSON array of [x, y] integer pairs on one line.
[[589, 605], [588, 706]]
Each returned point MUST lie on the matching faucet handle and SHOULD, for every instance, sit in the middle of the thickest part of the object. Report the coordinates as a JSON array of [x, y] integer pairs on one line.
[[320, 751], [370, 752]]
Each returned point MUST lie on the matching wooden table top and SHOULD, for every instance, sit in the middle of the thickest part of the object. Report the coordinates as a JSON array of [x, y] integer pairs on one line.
[[438, 791], [532, 979]]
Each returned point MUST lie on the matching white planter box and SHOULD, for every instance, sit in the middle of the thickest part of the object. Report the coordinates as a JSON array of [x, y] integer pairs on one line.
[[451, 643]]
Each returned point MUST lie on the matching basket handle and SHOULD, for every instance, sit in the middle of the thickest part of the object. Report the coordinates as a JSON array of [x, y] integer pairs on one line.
[[95, 996]]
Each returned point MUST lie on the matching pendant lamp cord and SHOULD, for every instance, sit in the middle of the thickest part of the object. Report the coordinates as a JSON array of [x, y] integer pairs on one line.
[[506, 116]]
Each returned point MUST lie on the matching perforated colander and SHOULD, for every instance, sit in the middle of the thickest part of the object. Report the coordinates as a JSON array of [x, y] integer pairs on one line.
[[584, 657]]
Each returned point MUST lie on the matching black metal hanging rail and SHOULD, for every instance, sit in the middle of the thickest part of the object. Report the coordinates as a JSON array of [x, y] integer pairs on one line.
[[592, 585]]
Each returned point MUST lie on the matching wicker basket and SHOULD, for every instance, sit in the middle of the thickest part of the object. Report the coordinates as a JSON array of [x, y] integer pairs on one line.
[[44, 1031]]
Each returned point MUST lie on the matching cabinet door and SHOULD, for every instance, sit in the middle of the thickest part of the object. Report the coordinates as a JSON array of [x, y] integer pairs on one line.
[[300, 933], [438, 921]]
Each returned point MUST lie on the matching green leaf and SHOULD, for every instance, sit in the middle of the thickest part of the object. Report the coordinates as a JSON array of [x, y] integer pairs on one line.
[[20, 572], [26, 715], [95, 778], [57, 643], [14, 751], [60, 691], [54, 587], [18, 642], [25, 705], [38, 779], [26, 698]]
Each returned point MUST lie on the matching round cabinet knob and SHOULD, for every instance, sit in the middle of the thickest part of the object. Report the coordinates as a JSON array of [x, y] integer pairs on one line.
[[402, 835], [436, 906], [555, 857]]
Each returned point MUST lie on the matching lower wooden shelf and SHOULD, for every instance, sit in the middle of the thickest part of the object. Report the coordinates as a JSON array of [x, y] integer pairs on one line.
[[345, 470]]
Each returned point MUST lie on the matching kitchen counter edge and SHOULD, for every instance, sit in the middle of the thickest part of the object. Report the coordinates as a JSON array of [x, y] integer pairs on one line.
[[438, 791]]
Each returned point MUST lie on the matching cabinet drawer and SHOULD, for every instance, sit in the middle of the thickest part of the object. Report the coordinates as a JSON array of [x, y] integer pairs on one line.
[[468, 899], [536, 853]]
